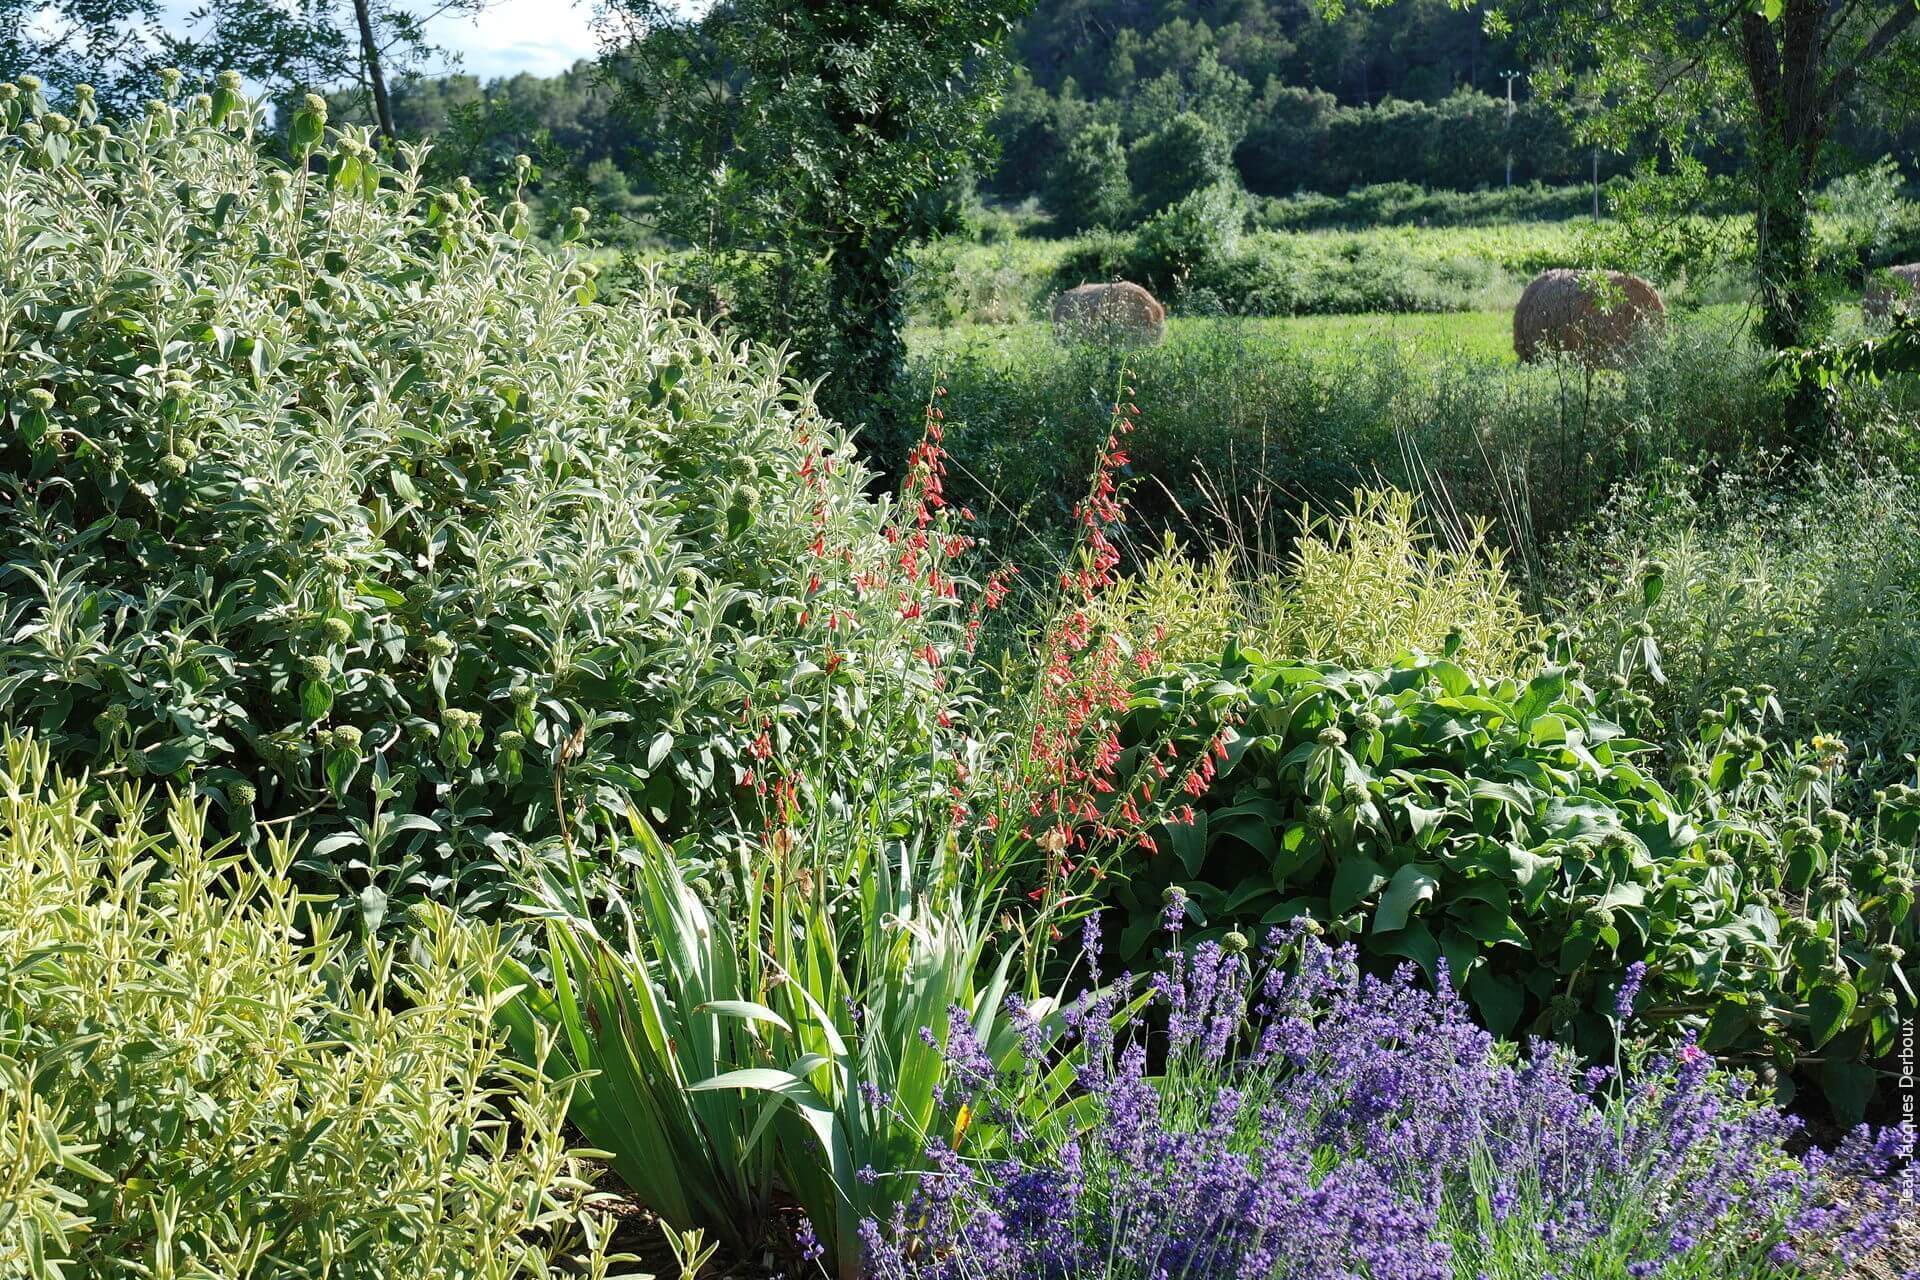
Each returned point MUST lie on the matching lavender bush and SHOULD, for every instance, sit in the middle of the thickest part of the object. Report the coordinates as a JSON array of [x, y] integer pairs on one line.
[[1293, 1117]]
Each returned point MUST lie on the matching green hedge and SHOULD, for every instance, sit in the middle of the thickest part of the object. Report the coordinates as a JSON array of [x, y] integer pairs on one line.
[[347, 499]]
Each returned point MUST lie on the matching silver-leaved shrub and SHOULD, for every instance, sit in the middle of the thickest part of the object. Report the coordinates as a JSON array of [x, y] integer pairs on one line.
[[191, 1083], [352, 502]]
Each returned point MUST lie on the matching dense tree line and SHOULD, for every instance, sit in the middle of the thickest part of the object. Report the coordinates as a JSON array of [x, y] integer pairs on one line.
[[1414, 93], [571, 124], [1299, 99], [574, 107], [1103, 91], [1312, 101], [1288, 139], [1136, 50]]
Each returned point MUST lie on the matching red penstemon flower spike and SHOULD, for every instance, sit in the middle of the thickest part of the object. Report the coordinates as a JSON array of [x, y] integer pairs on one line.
[[1070, 791], [1081, 790]]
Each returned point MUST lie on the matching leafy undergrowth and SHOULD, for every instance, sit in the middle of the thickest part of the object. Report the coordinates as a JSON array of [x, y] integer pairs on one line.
[[429, 581], [1812, 591], [1518, 831]]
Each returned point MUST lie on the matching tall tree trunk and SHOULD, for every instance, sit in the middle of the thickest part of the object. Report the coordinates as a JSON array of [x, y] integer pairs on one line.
[[865, 310], [1784, 250], [1793, 114], [1783, 62], [370, 54]]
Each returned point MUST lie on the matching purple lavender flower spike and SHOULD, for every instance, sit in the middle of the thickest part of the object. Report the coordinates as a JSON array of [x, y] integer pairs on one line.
[[1629, 990]]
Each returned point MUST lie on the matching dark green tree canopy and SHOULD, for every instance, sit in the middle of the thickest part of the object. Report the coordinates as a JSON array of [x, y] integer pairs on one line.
[[817, 132], [1189, 153], [1088, 187], [835, 116]]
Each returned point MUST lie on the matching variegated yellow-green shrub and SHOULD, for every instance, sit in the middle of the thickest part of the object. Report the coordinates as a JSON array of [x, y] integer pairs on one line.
[[1361, 588], [195, 1081]]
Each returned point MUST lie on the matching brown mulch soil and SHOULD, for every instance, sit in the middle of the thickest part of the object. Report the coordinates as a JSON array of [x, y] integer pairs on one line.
[[638, 1232], [1899, 1258]]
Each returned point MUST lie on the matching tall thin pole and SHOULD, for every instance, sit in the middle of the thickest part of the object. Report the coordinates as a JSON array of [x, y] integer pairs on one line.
[[1596, 184], [370, 56], [1506, 129]]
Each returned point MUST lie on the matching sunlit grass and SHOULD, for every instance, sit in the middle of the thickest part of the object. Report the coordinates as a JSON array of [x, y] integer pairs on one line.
[[1486, 334]]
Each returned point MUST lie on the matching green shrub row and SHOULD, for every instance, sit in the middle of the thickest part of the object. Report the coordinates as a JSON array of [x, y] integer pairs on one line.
[[1389, 247], [1194, 256], [351, 501], [1394, 204], [1214, 253]]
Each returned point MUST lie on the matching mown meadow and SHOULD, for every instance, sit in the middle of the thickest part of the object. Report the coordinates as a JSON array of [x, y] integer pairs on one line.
[[496, 783], [1386, 250]]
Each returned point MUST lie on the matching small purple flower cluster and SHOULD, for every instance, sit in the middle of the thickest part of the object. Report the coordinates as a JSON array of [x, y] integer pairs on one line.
[[1311, 1121]]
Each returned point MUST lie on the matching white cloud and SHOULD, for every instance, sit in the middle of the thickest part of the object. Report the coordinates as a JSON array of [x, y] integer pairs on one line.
[[509, 36], [538, 36]]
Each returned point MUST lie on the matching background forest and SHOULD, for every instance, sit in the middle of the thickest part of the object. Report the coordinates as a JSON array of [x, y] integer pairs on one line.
[[1413, 93]]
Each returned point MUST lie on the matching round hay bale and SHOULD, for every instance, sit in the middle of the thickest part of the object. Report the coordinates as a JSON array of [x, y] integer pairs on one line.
[[1892, 289], [1117, 313], [1573, 313]]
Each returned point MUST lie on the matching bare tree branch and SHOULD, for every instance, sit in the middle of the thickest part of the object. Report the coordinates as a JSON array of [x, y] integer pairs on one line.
[[1897, 24]]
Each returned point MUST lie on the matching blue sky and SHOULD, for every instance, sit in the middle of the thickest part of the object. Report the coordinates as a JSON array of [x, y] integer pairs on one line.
[[540, 36]]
